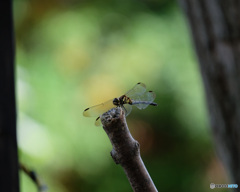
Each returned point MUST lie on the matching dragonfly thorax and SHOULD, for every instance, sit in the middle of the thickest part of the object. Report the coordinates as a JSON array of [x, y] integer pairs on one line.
[[122, 100]]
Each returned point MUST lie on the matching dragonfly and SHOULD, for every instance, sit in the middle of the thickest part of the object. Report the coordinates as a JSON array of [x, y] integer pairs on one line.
[[137, 96]]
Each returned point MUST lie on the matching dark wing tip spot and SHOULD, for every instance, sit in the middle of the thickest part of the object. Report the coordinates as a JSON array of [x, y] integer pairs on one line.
[[150, 91], [97, 118], [86, 109], [139, 83]]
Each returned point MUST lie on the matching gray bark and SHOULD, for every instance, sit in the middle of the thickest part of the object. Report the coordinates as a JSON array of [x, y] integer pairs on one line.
[[215, 27], [126, 150]]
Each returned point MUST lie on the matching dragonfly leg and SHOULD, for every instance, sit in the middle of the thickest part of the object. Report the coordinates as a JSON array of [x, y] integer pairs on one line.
[[125, 110]]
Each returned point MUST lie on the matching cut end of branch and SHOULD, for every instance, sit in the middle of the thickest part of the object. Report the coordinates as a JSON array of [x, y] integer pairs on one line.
[[112, 116]]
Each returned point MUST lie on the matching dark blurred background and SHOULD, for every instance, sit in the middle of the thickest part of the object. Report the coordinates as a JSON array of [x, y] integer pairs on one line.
[[74, 54]]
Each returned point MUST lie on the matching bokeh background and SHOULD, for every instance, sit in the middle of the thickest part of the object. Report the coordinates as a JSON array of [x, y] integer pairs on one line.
[[74, 54]]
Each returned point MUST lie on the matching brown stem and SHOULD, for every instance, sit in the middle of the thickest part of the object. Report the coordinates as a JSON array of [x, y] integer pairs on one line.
[[126, 150], [33, 176]]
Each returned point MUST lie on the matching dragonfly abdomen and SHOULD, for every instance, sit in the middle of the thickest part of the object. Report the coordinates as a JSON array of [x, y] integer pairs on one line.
[[143, 102]]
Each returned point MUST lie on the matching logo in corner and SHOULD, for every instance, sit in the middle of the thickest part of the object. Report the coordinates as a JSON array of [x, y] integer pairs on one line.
[[212, 185]]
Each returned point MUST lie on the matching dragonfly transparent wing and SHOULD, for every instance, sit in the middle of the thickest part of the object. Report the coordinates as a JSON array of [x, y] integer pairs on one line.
[[98, 122], [142, 101], [137, 90], [98, 110], [127, 109]]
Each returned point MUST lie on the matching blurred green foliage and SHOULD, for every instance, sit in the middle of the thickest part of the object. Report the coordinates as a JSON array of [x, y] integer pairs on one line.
[[75, 54]]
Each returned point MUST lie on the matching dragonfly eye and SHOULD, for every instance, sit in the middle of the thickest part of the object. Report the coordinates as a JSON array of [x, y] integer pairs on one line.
[[115, 101]]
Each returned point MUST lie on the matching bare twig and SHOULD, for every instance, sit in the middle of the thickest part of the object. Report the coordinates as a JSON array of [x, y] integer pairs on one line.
[[33, 176], [126, 150]]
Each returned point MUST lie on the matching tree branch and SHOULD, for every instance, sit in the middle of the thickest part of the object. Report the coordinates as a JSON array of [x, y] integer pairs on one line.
[[34, 177], [216, 35], [126, 150]]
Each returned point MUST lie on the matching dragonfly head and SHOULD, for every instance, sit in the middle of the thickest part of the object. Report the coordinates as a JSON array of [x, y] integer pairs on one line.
[[116, 102]]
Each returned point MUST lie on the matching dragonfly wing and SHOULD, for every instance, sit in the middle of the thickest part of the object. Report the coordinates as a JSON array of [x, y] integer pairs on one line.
[[98, 110], [144, 99], [98, 122], [137, 90], [127, 109]]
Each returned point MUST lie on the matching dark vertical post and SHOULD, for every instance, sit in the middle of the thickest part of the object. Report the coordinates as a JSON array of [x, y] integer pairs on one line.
[[9, 181]]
